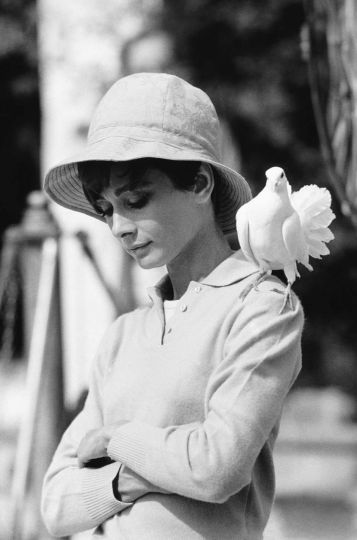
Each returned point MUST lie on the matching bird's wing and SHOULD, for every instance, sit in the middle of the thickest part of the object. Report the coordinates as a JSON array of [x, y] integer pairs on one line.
[[242, 223], [313, 204], [294, 240]]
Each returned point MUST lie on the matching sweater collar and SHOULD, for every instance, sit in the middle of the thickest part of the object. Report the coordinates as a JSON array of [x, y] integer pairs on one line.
[[231, 270], [234, 268]]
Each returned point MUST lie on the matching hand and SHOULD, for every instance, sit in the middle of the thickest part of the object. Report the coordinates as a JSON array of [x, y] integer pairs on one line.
[[94, 444]]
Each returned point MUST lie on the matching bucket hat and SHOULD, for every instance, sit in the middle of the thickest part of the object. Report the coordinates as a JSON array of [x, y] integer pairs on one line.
[[152, 115]]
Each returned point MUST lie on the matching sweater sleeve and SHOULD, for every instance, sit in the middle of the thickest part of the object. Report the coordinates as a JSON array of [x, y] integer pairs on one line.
[[212, 460], [132, 487], [73, 498]]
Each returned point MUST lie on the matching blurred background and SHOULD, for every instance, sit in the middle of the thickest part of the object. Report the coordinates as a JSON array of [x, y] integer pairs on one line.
[[284, 80]]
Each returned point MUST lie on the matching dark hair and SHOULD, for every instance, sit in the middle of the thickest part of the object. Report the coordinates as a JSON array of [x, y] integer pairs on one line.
[[94, 175]]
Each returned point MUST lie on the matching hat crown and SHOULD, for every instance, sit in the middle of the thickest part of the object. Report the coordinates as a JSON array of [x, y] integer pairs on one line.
[[152, 115], [158, 106]]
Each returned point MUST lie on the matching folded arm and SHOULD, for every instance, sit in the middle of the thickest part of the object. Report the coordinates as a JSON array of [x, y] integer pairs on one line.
[[212, 460], [79, 494]]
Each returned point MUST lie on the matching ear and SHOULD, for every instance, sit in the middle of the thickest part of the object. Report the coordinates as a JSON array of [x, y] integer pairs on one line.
[[204, 183]]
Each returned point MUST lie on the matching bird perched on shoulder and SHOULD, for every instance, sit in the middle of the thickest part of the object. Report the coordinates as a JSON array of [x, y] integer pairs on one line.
[[278, 229]]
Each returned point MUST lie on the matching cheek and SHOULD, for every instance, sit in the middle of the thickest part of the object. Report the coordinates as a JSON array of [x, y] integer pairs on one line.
[[170, 224], [173, 229], [183, 223]]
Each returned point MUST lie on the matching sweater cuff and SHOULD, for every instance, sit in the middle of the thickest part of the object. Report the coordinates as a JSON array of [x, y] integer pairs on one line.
[[136, 444], [97, 492]]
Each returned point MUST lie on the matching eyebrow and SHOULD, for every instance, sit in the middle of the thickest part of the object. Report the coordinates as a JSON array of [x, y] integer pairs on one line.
[[130, 187]]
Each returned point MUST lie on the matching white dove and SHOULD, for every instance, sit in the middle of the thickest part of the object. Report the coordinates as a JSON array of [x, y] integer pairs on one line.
[[278, 228]]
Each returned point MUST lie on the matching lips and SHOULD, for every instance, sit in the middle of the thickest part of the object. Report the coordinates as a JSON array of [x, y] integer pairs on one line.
[[138, 247]]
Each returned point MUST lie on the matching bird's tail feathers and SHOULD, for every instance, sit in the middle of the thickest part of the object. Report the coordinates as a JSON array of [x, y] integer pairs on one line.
[[313, 204]]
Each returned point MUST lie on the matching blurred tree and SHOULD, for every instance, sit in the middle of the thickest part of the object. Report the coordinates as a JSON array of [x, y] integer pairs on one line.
[[329, 296], [249, 60], [331, 51], [19, 107]]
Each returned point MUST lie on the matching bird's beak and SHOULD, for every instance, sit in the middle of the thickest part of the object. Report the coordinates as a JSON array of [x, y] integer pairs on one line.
[[279, 180]]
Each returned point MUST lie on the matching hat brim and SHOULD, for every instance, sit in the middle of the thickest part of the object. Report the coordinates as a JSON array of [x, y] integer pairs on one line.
[[63, 185]]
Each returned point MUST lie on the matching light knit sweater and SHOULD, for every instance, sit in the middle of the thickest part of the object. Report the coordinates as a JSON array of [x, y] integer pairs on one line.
[[201, 398]]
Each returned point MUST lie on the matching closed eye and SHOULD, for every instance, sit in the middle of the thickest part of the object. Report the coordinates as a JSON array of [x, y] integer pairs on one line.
[[131, 200], [103, 208], [137, 201]]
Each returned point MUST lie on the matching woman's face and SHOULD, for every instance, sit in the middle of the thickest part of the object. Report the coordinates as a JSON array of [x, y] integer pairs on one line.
[[154, 221]]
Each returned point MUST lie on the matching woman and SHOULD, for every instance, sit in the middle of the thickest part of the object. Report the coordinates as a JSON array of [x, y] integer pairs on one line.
[[175, 439]]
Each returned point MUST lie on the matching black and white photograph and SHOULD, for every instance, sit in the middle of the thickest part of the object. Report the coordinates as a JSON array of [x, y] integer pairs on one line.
[[178, 270]]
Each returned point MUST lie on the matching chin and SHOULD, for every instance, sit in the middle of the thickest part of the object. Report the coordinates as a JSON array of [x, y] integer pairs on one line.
[[155, 257], [147, 263]]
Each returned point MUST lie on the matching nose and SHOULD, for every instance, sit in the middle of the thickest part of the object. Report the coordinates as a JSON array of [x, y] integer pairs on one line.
[[122, 226]]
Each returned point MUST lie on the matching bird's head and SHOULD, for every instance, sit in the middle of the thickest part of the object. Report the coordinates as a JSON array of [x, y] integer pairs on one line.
[[276, 179]]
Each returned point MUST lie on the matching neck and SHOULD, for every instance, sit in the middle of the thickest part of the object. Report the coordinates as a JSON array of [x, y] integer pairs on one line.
[[206, 251]]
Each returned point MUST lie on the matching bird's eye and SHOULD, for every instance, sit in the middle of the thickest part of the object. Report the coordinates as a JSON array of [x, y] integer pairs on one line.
[[281, 175]]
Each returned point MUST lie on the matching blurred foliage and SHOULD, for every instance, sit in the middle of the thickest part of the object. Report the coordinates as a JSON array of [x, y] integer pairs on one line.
[[248, 57], [19, 107], [249, 61], [331, 51]]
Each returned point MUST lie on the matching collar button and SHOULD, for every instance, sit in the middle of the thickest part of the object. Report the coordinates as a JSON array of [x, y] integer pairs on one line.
[[198, 289], [183, 307]]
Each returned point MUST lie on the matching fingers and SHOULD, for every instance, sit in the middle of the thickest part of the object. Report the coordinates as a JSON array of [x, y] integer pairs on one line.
[[92, 446], [81, 463]]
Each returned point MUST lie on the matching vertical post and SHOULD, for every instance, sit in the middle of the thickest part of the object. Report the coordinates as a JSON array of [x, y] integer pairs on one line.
[[37, 225], [42, 420]]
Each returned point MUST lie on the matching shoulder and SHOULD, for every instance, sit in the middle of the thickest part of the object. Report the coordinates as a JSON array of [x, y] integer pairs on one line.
[[125, 323], [263, 332], [267, 302], [121, 323], [271, 290], [121, 327]]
